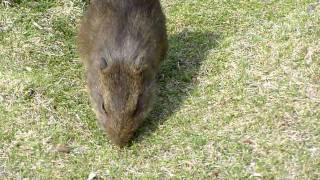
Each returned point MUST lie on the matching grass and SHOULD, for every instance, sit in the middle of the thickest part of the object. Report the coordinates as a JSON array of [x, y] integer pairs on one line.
[[239, 95]]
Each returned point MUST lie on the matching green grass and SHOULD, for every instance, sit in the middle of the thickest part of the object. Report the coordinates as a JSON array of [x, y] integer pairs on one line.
[[239, 95]]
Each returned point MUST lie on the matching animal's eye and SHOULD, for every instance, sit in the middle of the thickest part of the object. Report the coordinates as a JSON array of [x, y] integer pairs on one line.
[[103, 63], [104, 108]]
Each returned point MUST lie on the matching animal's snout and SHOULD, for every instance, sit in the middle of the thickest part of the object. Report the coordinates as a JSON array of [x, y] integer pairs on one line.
[[119, 138]]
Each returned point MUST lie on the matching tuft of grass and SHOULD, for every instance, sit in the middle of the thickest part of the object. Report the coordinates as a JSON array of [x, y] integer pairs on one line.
[[239, 95]]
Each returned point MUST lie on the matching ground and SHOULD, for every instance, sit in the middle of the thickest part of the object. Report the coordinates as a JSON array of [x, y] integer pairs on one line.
[[239, 95]]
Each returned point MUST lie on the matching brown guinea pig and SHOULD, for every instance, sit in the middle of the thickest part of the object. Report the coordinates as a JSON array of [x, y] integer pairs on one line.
[[122, 43]]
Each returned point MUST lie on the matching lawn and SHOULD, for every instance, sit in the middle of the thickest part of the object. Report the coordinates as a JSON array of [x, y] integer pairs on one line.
[[239, 95]]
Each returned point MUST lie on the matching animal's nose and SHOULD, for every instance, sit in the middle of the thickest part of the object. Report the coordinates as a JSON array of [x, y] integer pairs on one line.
[[121, 142], [120, 138]]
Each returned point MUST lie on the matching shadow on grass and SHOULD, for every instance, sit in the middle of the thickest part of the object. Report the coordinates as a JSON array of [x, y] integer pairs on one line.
[[177, 78]]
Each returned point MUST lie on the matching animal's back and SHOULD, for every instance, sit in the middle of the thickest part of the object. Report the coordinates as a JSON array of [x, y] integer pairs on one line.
[[122, 28]]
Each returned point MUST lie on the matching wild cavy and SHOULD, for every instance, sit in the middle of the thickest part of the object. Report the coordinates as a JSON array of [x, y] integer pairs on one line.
[[122, 43]]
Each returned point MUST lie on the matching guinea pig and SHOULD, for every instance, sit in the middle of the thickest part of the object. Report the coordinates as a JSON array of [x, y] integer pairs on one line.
[[122, 44]]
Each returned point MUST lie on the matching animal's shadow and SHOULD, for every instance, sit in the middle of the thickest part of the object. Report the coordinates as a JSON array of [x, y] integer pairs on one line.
[[178, 76]]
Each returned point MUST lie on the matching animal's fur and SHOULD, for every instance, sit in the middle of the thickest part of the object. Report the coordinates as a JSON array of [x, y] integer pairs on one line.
[[122, 43]]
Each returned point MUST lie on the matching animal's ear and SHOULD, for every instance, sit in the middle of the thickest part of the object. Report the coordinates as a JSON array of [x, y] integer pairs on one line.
[[103, 63], [140, 64], [139, 68]]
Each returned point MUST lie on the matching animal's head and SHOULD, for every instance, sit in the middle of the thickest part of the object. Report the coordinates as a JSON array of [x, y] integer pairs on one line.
[[127, 88]]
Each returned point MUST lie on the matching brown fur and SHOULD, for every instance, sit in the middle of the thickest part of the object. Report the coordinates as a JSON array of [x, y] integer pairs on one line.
[[122, 43]]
